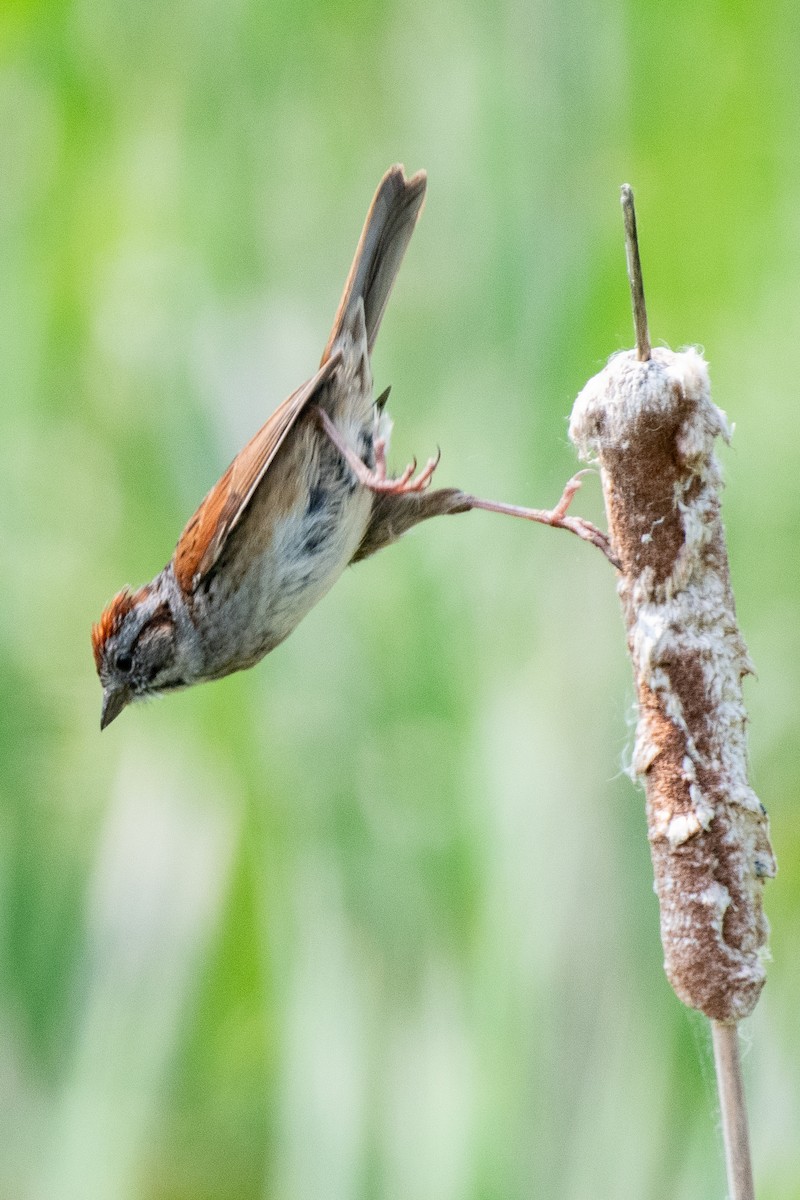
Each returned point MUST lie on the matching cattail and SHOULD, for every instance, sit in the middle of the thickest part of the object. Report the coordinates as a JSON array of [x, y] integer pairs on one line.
[[652, 427], [649, 422]]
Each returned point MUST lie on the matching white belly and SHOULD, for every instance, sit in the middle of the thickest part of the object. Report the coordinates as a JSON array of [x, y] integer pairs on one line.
[[249, 607]]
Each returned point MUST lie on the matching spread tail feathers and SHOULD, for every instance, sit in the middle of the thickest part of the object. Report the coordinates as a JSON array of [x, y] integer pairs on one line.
[[384, 238]]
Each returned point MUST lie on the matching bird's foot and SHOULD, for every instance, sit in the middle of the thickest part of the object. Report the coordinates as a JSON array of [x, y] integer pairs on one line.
[[376, 478]]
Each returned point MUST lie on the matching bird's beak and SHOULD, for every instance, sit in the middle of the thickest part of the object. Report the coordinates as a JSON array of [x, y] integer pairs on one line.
[[114, 700]]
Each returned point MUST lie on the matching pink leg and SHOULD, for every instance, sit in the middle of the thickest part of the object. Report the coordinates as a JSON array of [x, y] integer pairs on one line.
[[556, 516], [376, 479]]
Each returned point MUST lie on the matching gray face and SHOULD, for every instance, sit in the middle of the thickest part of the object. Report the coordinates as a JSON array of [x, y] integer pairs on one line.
[[139, 660]]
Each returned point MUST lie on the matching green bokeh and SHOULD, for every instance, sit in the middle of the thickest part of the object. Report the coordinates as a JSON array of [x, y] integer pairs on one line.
[[374, 920]]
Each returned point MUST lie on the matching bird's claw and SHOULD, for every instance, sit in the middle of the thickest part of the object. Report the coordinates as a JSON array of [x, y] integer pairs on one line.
[[377, 478]]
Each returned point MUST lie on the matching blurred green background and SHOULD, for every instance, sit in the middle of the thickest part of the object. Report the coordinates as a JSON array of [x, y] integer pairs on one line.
[[375, 920]]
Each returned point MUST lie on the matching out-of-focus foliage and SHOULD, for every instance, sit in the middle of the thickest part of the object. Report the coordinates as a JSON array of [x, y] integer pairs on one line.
[[375, 919]]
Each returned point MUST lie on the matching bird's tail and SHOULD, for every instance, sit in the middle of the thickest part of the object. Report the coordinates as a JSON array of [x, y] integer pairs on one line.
[[384, 238]]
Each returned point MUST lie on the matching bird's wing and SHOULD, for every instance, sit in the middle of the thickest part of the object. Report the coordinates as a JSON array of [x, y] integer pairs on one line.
[[205, 535]]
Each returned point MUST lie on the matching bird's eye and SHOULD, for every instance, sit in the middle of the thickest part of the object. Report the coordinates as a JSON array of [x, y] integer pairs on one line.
[[124, 663]]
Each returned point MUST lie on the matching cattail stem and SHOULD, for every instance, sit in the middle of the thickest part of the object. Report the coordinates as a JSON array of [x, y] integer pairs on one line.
[[635, 275], [733, 1108]]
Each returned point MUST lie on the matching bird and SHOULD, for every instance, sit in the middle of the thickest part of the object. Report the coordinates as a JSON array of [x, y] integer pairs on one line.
[[307, 496]]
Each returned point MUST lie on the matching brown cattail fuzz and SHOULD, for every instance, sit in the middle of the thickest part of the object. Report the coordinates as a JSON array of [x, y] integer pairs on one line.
[[651, 425]]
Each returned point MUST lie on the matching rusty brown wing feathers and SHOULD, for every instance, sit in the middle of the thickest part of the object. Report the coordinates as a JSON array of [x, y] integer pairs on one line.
[[206, 533]]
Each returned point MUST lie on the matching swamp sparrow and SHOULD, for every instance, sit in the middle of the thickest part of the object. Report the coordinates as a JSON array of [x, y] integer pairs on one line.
[[308, 495]]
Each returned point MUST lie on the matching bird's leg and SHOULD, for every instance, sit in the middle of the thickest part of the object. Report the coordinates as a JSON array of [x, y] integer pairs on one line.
[[556, 516], [376, 478], [410, 507]]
